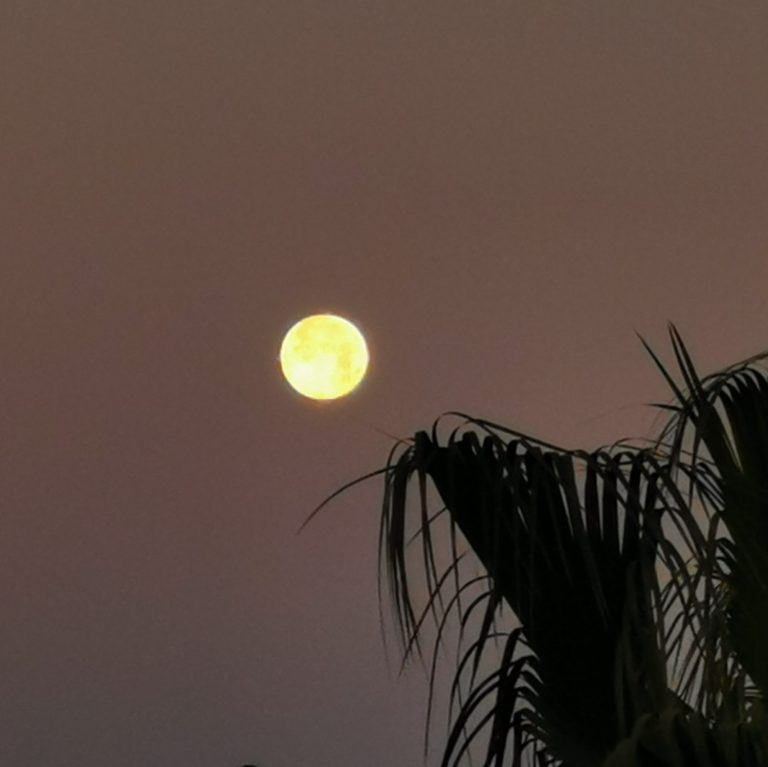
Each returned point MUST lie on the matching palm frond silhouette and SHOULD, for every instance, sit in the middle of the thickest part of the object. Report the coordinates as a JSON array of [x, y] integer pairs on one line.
[[637, 579]]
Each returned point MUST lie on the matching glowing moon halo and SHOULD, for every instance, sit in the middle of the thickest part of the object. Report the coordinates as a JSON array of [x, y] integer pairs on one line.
[[324, 356]]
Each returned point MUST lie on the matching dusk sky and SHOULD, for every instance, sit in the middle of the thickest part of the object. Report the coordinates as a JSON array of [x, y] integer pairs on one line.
[[498, 193]]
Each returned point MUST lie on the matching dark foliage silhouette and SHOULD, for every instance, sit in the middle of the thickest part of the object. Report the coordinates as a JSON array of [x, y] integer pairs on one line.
[[636, 576]]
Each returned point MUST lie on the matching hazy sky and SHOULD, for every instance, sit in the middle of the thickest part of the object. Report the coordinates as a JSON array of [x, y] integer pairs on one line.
[[499, 193]]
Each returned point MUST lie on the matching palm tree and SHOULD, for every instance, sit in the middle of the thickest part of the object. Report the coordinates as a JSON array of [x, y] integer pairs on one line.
[[637, 579]]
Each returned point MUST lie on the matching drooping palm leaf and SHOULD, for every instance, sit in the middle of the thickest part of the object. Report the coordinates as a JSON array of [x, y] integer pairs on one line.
[[728, 413], [579, 575]]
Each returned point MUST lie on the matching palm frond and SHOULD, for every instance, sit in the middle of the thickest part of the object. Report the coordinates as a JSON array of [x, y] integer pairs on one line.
[[727, 413], [574, 557], [637, 579]]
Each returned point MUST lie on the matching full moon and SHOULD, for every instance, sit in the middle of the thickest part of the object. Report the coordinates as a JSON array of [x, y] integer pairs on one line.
[[324, 356]]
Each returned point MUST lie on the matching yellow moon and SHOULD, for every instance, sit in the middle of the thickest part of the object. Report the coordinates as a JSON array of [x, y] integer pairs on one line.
[[324, 356]]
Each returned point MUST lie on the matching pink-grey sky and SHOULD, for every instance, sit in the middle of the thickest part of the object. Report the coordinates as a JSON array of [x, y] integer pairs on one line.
[[498, 192]]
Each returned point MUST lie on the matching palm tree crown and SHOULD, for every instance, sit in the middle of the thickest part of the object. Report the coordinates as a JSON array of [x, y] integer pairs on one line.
[[637, 578]]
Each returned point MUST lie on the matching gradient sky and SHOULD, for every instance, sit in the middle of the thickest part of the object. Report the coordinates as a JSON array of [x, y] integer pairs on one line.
[[499, 193]]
